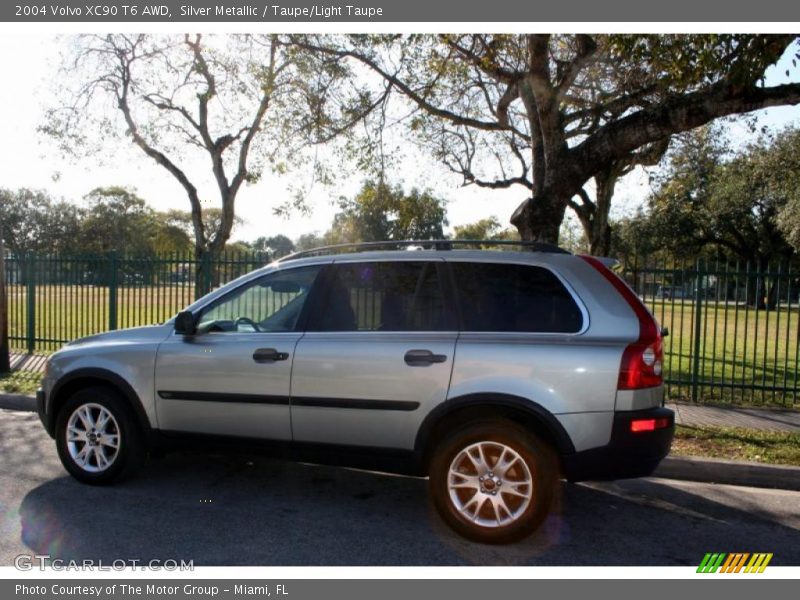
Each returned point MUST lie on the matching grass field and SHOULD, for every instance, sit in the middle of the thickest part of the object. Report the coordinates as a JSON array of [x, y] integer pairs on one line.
[[67, 312], [744, 352], [775, 447], [746, 355]]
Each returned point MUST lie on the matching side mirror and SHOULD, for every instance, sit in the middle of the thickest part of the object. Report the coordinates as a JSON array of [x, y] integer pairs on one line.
[[184, 323], [664, 332]]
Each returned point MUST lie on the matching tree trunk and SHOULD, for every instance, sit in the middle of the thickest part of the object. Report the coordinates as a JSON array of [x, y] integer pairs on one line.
[[539, 218], [207, 274], [5, 359], [757, 285], [600, 233], [202, 283]]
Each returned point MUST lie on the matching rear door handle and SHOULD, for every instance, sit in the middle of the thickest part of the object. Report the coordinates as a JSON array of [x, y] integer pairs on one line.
[[267, 355], [423, 358]]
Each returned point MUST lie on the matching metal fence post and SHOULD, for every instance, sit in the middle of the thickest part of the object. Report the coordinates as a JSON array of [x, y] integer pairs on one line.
[[30, 280], [698, 310], [112, 290]]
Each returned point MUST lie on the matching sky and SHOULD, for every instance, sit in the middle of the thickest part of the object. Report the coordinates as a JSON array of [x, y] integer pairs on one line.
[[28, 64]]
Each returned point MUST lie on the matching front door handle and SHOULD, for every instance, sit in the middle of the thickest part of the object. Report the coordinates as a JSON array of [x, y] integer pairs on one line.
[[267, 355], [423, 358]]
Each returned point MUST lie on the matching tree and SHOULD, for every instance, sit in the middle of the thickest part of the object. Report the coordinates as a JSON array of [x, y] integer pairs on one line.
[[238, 247], [634, 238], [680, 217], [239, 102], [783, 164], [308, 241], [182, 220], [170, 238], [32, 221], [382, 212], [117, 219], [484, 229], [711, 195], [276, 246], [556, 112]]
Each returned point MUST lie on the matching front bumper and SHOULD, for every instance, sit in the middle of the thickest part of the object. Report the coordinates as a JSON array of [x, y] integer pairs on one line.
[[627, 454], [41, 410]]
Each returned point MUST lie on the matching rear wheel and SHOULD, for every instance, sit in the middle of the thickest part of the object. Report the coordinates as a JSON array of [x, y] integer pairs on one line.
[[493, 482], [97, 436]]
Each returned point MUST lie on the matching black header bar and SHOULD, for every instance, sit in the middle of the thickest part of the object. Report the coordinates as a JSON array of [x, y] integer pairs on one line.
[[712, 12]]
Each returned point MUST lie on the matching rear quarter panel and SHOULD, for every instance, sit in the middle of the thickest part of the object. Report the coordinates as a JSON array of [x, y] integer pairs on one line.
[[572, 376]]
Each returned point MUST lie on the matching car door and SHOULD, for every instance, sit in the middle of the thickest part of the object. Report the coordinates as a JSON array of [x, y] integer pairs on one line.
[[232, 377], [376, 356]]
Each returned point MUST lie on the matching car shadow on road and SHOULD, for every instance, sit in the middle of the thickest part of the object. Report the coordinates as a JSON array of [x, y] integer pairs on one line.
[[236, 509]]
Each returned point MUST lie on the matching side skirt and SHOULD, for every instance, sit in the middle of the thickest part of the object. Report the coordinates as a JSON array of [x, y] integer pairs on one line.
[[389, 460]]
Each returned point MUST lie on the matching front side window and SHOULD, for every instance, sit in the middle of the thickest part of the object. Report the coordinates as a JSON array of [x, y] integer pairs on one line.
[[384, 296], [269, 304], [509, 297]]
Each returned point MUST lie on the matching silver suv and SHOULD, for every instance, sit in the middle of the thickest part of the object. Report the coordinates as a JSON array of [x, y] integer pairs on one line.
[[493, 373]]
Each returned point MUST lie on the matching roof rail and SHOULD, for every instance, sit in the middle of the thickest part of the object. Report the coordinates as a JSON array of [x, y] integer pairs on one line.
[[422, 244]]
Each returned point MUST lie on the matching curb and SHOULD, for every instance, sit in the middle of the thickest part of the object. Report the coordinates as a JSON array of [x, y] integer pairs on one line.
[[18, 402], [729, 472]]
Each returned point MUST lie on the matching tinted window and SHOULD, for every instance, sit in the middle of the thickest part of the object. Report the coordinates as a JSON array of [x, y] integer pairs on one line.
[[507, 297], [270, 303], [384, 296]]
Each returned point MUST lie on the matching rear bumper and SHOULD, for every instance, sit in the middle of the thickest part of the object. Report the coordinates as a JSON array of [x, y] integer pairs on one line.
[[627, 454]]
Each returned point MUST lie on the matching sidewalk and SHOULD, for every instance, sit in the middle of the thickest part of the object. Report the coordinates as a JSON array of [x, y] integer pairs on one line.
[[22, 361], [768, 419]]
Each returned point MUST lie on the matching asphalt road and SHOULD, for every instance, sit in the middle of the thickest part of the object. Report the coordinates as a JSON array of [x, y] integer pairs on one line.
[[221, 509]]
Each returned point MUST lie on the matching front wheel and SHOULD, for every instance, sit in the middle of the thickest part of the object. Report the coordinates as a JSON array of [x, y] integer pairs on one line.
[[493, 482], [97, 436]]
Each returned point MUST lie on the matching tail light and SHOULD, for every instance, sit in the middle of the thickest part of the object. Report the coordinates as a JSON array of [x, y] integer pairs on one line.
[[642, 425], [643, 360], [641, 366]]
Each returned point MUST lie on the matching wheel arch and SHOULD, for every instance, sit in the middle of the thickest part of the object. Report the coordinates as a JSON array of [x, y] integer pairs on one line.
[[83, 378], [474, 407]]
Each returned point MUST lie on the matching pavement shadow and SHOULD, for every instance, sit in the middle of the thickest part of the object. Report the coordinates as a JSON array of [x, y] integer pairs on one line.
[[235, 509]]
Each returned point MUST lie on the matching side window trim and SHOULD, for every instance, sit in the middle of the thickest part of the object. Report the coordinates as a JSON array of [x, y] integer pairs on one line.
[[447, 280]]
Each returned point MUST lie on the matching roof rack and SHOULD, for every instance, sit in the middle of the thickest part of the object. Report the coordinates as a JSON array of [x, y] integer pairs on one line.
[[422, 244]]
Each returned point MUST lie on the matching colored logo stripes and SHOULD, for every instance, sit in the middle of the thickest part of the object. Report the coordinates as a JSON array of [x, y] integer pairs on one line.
[[735, 562]]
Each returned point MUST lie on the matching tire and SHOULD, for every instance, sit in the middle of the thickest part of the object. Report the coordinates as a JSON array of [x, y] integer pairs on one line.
[[111, 450], [486, 502]]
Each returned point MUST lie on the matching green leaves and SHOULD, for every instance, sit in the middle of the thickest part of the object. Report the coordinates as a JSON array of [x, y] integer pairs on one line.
[[383, 212], [747, 201]]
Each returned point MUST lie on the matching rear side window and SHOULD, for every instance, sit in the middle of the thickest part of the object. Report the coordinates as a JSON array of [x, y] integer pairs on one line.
[[509, 297], [384, 296]]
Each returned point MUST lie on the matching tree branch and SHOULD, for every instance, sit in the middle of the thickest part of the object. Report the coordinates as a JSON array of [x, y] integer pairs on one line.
[[585, 51], [484, 62], [617, 139], [415, 97], [157, 155]]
